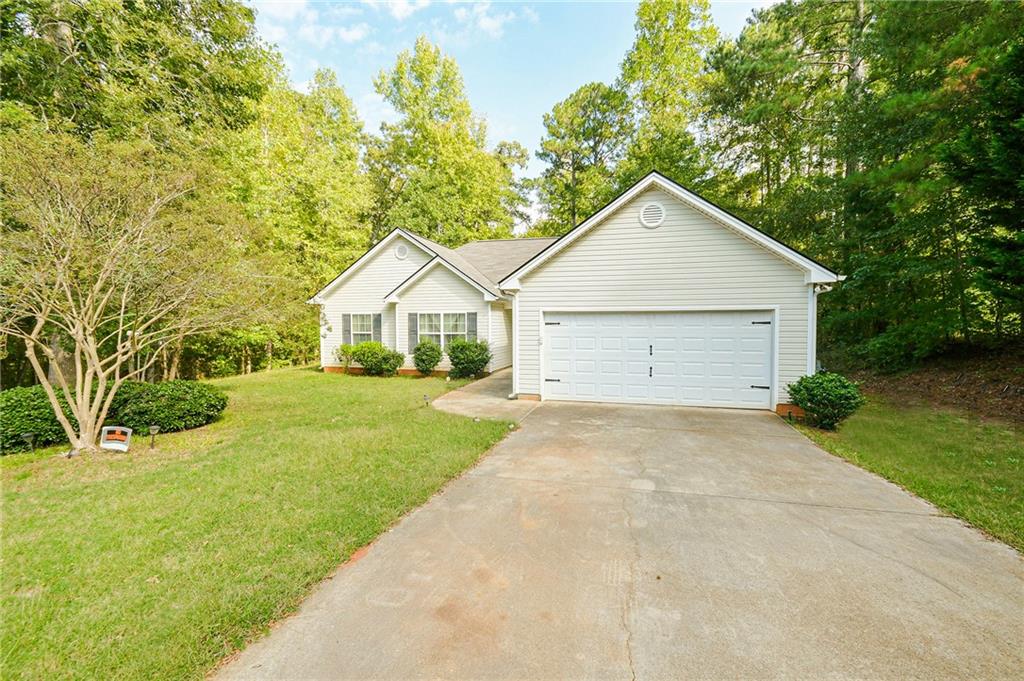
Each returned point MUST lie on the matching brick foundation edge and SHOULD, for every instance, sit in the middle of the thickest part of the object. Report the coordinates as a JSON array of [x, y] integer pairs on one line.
[[785, 410], [528, 396]]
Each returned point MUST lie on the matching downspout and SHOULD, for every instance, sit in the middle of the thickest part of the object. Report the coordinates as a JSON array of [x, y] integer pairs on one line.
[[515, 346]]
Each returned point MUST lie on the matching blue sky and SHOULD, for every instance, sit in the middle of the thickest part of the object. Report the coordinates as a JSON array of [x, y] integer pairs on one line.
[[518, 59]]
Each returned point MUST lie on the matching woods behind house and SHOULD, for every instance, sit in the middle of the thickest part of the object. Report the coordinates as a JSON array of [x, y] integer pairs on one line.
[[161, 146]]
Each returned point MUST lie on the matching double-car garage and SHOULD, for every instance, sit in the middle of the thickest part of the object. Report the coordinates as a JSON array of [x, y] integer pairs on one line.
[[714, 358]]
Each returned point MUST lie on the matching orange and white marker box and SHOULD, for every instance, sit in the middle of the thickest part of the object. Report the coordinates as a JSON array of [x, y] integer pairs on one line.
[[115, 437]]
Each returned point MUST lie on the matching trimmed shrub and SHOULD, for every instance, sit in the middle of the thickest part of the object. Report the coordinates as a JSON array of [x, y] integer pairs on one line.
[[468, 358], [343, 353], [376, 359], [426, 356], [829, 398], [28, 410], [172, 405]]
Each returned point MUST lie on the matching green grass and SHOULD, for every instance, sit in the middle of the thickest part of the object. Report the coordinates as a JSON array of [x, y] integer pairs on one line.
[[156, 564], [970, 468]]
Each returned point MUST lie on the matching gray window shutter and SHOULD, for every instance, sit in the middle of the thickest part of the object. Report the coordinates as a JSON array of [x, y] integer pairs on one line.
[[376, 327], [471, 326], [346, 329], [412, 331]]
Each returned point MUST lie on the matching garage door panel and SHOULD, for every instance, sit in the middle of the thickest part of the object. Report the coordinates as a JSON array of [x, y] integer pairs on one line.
[[690, 358], [611, 367]]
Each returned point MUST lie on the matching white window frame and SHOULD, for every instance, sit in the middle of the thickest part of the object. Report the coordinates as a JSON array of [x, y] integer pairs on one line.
[[368, 333], [442, 334]]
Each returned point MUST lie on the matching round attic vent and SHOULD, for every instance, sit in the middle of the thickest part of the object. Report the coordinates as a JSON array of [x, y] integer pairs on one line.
[[401, 251], [652, 214]]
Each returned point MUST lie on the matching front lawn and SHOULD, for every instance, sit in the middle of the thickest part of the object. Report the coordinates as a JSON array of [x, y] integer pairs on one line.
[[157, 563], [972, 469]]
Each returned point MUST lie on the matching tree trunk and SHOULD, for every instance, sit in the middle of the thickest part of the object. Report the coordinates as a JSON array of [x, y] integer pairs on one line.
[[176, 353], [270, 355]]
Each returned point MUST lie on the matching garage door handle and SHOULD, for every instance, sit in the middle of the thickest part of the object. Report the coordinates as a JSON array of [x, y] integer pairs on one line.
[[650, 372], [552, 380], [762, 387]]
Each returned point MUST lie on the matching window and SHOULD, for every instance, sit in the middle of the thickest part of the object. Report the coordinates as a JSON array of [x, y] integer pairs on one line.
[[454, 326], [430, 327], [440, 328], [362, 328]]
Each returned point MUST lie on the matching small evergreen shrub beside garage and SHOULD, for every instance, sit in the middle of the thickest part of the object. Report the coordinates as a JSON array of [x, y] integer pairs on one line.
[[468, 358], [827, 397]]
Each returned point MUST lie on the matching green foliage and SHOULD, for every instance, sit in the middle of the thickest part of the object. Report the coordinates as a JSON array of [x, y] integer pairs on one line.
[[426, 356], [468, 358], [28, 410], [828, 397], [344, 354], [172, 405], [134, 68], [883, 139], [376, 359], [585, 135], [432, 171]]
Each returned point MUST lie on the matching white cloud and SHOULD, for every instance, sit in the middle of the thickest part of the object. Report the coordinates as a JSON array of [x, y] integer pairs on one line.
[[353, 34], [400, 9], [531, 14], [285, 10], [480, 16], [322, 35], [342, 11], [374, 110], [273, 33]]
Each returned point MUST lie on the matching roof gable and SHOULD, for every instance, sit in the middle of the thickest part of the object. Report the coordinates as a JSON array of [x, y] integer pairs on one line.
[[395, 295], [364, 259], [814, 271]]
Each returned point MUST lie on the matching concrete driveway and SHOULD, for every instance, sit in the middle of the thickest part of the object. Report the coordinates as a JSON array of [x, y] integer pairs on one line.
[[622, 542]]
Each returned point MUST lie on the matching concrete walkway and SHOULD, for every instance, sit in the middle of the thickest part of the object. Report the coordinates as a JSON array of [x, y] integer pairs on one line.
[[487, 399], [616, 542]]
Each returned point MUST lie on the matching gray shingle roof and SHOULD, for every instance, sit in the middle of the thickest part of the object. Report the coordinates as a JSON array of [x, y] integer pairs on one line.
[[487, 262], [496, 258]]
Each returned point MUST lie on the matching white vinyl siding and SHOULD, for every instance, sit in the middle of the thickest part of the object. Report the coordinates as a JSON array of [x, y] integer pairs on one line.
[[439, 291], [501, 336], [363, 292], [689, 261]]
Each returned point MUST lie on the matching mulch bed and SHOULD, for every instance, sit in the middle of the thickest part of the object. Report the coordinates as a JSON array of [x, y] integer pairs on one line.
[[989, 386]]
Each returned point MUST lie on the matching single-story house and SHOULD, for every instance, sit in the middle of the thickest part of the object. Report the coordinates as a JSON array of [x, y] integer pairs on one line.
[[660, 297]]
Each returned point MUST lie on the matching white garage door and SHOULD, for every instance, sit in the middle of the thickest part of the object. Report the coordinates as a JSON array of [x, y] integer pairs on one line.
[[715, 359]]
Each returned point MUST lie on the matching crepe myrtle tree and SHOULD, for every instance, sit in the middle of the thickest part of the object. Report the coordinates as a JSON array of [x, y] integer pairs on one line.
[[116, 249]]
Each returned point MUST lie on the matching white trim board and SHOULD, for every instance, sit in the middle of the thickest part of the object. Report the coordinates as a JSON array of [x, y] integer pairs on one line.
[[814, 272]]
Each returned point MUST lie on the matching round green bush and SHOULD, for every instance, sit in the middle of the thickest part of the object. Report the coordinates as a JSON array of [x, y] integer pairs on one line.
[[426, 356], [171, 405], [376, 359], [28, 410], [468, 358], [829, 398]]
